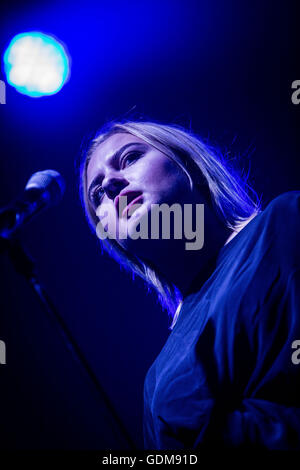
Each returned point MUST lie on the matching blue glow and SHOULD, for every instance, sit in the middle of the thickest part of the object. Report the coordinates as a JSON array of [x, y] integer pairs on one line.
[[36, 64]]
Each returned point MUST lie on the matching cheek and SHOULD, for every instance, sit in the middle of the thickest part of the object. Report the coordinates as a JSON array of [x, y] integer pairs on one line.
[[171, 182], [106, 212], [163, 173]]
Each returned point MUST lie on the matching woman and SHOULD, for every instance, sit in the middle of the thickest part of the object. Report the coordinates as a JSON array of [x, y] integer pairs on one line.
[[225, 374]]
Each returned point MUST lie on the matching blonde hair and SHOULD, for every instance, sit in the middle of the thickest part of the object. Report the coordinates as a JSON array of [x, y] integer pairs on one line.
[[224, 187]]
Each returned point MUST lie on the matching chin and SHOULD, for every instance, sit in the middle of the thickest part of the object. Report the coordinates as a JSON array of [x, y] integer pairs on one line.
[[128, 229]]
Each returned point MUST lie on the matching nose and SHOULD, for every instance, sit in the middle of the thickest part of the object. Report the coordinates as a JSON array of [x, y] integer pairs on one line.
[[113, 184]]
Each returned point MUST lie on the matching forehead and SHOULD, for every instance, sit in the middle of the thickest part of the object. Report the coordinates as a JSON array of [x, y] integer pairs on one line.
[[107, 149]]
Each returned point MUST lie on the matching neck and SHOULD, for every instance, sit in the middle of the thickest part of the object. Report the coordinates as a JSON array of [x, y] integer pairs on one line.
[[179, 265]]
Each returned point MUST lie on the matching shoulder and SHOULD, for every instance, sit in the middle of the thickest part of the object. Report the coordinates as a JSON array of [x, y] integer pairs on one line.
[[285, 205], [280, 223]]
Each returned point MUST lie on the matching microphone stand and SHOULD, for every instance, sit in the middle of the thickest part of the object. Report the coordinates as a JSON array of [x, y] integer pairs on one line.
[[24, 265]]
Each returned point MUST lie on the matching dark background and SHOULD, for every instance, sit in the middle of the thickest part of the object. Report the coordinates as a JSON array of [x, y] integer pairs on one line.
[[223, 68]]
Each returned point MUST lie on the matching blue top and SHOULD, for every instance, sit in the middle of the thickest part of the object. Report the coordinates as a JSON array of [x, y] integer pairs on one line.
[[228, 373]]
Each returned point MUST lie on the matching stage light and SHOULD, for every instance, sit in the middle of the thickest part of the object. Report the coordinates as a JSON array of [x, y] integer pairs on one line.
[[36, 64]]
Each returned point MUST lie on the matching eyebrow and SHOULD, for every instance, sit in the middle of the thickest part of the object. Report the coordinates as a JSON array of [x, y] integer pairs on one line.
[[98, 179]]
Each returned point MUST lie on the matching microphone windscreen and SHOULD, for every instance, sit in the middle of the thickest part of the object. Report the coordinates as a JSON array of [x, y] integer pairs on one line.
[[49, 181]]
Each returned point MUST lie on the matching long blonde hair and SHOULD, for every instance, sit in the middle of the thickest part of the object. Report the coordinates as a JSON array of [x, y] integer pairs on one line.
[[227, 190]]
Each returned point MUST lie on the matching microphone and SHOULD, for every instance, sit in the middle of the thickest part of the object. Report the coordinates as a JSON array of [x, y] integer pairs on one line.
[[43, 189]]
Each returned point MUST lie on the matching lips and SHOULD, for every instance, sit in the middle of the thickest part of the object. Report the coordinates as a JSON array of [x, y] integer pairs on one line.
[[132, 198], [135, 201]]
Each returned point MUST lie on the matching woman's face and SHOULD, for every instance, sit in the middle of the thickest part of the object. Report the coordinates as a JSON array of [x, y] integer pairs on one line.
[[125, 169]]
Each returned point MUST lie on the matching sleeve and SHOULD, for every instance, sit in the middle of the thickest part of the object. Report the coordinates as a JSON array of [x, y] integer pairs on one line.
[[267, 423]]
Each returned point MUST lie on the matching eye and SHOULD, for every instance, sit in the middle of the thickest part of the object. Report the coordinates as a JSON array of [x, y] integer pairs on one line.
[[97, 195], [129, 158]]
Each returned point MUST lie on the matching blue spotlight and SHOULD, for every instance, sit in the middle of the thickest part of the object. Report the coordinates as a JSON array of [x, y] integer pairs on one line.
[[36, 64]]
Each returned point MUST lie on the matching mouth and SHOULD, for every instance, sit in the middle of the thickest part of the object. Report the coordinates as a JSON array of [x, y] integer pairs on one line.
[[136, 200], [130, 195]]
